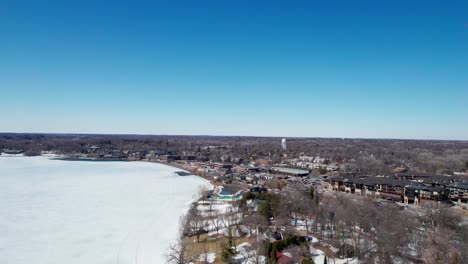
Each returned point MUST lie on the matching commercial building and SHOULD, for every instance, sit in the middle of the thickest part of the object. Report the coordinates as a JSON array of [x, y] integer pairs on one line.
[[289, 171]]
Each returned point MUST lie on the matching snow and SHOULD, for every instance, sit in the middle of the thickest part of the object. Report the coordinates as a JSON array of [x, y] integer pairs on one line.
[[209, 257], [246, 255], [11, 155], [220, 207], [54, 211], [318, 255], [314, 239], [345, 261], [319, 258]]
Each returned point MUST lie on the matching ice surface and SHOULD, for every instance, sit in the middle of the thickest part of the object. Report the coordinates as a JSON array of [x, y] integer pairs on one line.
[[54, 211]]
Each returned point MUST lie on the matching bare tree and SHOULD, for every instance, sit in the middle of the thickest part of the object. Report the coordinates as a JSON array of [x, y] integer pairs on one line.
[[297, 253], [202, 192], [178, 253], [204, 257], [438, 248], [255, 253], [196, 223], [254, 221], [215, 220], [230, 222]]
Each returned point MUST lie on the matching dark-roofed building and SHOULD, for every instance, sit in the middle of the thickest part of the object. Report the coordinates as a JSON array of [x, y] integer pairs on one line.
[[458, 192], [368, 185], [418, 193]]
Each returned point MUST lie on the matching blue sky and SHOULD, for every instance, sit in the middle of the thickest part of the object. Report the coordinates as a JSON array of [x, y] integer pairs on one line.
[[369, 69]]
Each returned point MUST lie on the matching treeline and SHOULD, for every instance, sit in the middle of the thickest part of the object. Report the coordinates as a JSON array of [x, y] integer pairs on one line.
[[372, 156]]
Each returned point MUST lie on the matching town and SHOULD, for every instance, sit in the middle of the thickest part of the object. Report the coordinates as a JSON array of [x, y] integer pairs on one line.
[[299, 200]]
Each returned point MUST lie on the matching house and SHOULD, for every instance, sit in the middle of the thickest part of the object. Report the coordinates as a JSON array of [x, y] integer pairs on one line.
[[307, 158], [400, 169], [332, 168], [262, 162], [173, 157], [258, 189], [319, 160], [283, 258], [13, 151]]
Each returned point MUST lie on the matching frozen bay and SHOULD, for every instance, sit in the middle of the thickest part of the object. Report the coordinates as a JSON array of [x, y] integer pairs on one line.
[[54, 211]]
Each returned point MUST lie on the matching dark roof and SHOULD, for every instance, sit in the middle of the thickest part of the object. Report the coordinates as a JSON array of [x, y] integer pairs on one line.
[[459, 185], [421, 175], [425, 188], [374, 180], [396, 181]]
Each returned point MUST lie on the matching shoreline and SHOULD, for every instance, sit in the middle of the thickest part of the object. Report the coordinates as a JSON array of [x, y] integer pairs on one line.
[[184, 170], [209, 178]]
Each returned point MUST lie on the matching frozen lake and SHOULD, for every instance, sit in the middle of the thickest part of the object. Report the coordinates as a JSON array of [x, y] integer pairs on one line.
[[55, 211]]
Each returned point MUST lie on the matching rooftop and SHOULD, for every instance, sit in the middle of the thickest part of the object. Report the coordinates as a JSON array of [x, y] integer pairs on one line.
[[459, 185], [290, 170]]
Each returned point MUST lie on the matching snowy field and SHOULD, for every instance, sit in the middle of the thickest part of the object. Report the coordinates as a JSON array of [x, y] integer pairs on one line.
[[55, 211]]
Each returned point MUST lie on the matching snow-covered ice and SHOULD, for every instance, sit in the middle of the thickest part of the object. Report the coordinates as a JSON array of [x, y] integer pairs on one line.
[[54, 211]]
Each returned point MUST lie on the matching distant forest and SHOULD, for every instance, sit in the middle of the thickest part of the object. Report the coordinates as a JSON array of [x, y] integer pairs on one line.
[[373, 156]]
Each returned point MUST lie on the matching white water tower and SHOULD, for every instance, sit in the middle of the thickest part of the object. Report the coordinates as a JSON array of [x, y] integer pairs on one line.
[[283, 143]]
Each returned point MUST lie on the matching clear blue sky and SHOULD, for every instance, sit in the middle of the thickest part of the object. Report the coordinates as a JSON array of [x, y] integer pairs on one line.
[[289, 68]]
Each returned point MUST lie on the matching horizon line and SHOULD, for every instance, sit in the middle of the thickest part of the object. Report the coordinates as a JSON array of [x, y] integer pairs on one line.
[[232, 136]]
